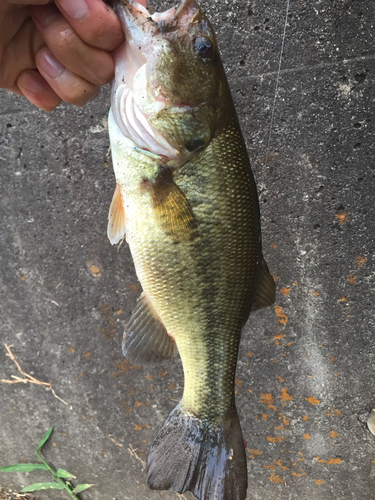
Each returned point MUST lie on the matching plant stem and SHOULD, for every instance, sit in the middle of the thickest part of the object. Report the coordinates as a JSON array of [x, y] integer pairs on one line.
[[58, 479]]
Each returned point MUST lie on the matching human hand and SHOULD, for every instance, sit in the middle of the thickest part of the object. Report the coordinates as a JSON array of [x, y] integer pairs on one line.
[[53, 51]]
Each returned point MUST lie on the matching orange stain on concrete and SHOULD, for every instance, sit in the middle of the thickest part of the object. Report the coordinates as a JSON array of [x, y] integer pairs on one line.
[[343, 299], [296, 474], [334, 413], [276, 439], [352, 279], [238, 382], [264, 416], [123, 367], [332, 358], [306, 436], [253, 453], [285, 396], [137, 427], [360, 261], [319, 481], [279, 463], [71, 349], [250, 354], [279, 378], [305, 417], [333, 434], [313, 400], [334, 461], [267, 399], [283, 318], [278, 337], [285, 290], [342, 217], [276, 479], [87, 354]]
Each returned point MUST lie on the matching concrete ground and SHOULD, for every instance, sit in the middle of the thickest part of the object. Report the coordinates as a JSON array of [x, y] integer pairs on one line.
[[306, 379]]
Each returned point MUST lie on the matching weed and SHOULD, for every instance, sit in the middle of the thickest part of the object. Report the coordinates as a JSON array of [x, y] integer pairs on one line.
[[62, 477]]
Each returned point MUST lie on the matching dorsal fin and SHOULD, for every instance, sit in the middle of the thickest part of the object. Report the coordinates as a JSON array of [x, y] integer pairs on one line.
[[116, 217], [146, 341], [265, 295]]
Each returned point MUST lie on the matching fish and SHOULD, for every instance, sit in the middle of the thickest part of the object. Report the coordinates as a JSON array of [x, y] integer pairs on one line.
[[186, 202]]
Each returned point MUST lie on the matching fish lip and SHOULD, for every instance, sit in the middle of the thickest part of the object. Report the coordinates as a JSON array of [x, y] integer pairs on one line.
[[130, 11]]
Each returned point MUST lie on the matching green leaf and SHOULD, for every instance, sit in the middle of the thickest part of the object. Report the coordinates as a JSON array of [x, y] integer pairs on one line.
[[44, 439], [82, 487], [23, 468], [64, 474], [43, 486]]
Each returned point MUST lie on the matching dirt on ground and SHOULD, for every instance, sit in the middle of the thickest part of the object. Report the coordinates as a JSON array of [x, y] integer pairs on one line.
[[12, 495]]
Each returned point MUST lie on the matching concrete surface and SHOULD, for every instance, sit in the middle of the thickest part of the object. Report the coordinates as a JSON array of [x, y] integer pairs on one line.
[[306, 379]]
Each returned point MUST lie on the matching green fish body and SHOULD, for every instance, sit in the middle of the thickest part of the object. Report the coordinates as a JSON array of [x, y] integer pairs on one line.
[[186, 201]]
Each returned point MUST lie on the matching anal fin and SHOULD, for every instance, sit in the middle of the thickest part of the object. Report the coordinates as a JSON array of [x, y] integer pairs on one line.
[[173, 212], [266, 289], [116, 217], [146, 341]]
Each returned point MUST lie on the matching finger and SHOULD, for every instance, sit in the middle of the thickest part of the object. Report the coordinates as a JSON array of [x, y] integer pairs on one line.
[[95, 22], [70, 87], [92, 64], [35, 88], [20, 53]]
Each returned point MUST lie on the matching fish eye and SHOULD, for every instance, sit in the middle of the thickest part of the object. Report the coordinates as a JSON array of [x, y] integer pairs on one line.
[[203, 46]]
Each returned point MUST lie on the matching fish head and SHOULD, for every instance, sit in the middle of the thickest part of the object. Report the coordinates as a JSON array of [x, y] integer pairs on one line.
[[170, 90]]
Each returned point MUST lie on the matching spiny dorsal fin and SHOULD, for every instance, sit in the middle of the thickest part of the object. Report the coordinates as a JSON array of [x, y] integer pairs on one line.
[[116, 217], [266, 289], [146, 341], [173, 212]]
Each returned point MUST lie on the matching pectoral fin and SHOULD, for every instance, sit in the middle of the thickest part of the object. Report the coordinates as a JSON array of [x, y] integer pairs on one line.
[[173, 212], [266, 289], [116, 218], [146, 341]]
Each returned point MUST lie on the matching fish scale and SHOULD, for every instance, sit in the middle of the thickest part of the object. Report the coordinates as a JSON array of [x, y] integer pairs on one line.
[[193, 226]]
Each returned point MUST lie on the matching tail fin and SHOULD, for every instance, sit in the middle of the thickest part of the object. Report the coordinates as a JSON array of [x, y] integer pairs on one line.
[[190, 454]]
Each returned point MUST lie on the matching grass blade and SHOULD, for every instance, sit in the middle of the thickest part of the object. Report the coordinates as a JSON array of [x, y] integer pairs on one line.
[[42, 486], [23, 468], [82, 487], [64, 474], [44, 439]]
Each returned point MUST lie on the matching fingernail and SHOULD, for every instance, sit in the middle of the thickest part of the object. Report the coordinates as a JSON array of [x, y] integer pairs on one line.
[[75, 9], [50, 65], [33, 83], [46, 14]]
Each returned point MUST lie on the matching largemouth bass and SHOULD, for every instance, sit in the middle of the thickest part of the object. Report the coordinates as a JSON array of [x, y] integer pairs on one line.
[[187, 203]]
